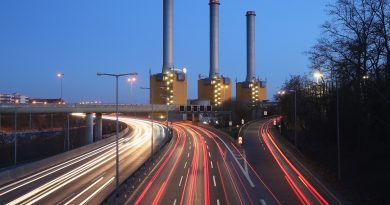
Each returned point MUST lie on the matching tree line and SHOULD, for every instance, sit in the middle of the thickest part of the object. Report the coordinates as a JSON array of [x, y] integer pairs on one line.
[[351, 99]]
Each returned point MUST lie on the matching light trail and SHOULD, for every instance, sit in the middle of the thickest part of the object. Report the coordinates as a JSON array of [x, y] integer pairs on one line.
[[94, 160], [160, 169], [269, 140], [213, 137], [97, 191], [85, 190], [242, 184], [184, 189], [223, 185], [232, 154], [162, 189]]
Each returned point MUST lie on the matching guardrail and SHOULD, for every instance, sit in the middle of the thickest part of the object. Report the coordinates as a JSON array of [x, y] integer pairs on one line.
[[83, 108]]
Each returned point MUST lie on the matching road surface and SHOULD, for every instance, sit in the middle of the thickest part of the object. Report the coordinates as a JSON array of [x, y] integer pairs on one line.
[[205, 166], [202, 168], [286, 177], [90, 177]]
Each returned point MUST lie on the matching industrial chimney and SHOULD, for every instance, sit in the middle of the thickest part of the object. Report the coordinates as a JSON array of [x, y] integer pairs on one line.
[[170, 86], [214, 38], [167, 36], [216, 88], [251, 90], [250, 46]]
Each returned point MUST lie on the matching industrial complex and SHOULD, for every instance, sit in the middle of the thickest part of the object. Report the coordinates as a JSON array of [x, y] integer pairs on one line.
[[170, 86]]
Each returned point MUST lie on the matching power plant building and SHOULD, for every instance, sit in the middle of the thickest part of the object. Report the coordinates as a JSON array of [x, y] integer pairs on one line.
[[216, 88], [170, 86], [252, 90]]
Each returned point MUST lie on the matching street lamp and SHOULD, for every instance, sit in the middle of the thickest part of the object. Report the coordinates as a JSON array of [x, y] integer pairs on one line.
[[117, 121], [317, 75], [131, 80], [60, 76], [151, 115], [295, 112], [295, 118]]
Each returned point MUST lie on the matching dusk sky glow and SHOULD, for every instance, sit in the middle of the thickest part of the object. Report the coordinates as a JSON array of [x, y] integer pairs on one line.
[[40, 38]]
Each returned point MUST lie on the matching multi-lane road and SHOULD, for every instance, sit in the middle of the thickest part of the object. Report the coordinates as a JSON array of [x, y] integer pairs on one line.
[[204, 166], [89, 177], [201, 166], [287, 177]]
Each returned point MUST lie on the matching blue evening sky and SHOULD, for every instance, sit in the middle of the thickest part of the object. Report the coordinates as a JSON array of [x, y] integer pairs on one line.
[[78, 37]]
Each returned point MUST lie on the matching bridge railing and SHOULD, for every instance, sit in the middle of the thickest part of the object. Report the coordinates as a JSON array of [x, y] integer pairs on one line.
[[76, 107]]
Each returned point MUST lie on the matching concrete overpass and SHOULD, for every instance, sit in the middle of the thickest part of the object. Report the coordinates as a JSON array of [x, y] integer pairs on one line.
[[84, 108]]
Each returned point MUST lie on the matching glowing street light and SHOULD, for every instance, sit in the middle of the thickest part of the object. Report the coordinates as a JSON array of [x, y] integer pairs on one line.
[[317, 75], [60, 76], [131, 80]]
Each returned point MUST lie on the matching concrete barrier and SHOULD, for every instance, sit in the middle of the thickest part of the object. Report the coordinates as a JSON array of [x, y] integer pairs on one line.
[[28, 169]]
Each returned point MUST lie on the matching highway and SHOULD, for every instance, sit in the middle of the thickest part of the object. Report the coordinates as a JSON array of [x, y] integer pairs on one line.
[[203, 168], [291, 182], [90, 177]]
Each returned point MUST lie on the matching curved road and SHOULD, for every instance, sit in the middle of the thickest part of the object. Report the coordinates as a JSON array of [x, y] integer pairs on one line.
[[90, 177], [205, 166]]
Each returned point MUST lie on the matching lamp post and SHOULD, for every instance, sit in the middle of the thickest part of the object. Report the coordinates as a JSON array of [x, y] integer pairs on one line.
[[295, 118], [295, 113], [117, 121], [151, 115], [60, 76], [131, 80]]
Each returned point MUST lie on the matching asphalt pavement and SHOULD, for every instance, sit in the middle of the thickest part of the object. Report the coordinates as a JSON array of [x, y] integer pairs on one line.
[[203, 168]]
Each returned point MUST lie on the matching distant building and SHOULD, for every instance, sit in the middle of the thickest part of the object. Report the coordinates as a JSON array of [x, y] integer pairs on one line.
[[6, 98], [46, 101]]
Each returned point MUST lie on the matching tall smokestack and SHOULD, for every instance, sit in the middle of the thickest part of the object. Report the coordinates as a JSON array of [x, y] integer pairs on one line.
[[250, 43], [167, 36], [214, 38]]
